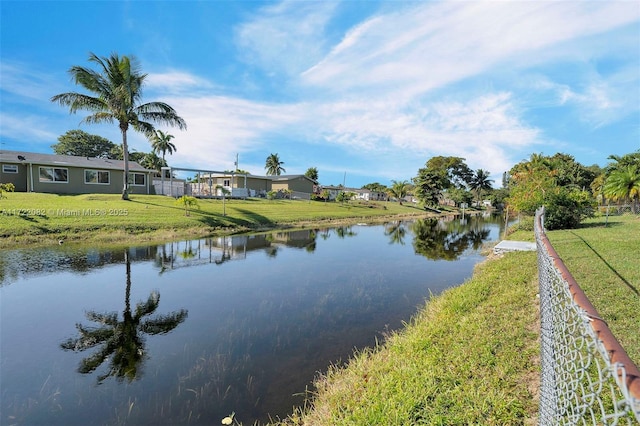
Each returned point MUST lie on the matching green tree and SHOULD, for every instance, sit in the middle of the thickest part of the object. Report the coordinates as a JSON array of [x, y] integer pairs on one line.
[[529, 184], [117, 87], [632, 159], [399, 190], [624, 184], [152, 162], [273, 165], [83, 144], [161, 143], [428, 187], [480, 182], [570, 173], [312, 173], [535, 183], [452, 171], [376, 187]]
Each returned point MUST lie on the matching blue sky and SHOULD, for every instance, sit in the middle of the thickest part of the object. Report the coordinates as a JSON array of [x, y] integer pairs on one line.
[[364, 91]]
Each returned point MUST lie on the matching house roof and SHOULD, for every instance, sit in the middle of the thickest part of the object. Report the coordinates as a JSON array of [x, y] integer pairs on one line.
[[23, 157]]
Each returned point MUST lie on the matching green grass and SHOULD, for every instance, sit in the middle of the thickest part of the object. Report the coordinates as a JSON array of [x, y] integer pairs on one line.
[[469, 357], [605, 261], [29, 218]]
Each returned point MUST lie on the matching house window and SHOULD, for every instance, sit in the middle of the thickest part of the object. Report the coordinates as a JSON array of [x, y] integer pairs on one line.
[[226, 182], [96, 176], [54, 174], [9, 168], [137, 179]]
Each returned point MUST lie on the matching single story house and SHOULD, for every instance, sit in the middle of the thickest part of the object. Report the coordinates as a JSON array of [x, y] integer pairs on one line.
[[207, 183], [66, 174]]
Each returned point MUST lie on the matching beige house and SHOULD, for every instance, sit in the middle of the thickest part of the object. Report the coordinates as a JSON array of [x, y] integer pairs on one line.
[[66, 174]]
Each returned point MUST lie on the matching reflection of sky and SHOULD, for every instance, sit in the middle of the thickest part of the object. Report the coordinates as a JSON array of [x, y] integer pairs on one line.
[[278, 319]]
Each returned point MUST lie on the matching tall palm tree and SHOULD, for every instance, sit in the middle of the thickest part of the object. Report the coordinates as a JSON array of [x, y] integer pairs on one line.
[[117, 87], [274, 165], [480, 182], [161, 143], [624, 184]]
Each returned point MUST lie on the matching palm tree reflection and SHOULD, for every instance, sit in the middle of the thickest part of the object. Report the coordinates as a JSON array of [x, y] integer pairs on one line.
[[122, 341]]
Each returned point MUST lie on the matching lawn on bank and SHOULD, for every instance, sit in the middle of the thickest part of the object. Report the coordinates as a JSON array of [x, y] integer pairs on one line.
[[603, 255], [36, 217]]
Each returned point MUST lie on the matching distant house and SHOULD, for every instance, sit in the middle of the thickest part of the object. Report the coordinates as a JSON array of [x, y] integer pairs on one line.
[[66, 174], [368, 195], [209, 184]]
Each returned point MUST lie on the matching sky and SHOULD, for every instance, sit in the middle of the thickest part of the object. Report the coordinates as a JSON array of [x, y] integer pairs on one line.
[[364, 91]]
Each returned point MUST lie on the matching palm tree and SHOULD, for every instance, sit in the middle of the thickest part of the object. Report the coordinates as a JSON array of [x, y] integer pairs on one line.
[[624, 184], [161, 143], [118, 90], [152, 162], [121, 342], [480, 182], [399, 190], [274, 165]]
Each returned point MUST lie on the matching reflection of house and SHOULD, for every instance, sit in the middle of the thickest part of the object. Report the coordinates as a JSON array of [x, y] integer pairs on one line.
[[180, 254], [66, 174]]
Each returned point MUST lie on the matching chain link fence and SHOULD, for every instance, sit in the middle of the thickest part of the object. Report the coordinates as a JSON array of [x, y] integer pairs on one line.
[[587, 377], [619, 209]]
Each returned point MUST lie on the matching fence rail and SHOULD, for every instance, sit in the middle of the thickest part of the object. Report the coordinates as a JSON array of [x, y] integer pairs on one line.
[[587, 377]]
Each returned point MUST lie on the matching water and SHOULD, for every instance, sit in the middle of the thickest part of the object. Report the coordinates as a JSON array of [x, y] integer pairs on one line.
[[190, 331]]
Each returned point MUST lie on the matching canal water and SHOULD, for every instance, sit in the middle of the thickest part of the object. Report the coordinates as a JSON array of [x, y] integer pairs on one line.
[[188, 332]]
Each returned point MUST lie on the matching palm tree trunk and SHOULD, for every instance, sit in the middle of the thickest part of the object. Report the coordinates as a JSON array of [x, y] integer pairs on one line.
[[125, 156]]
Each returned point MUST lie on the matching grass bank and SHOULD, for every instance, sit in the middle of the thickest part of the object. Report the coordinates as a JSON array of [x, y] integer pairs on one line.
[[34, 218]]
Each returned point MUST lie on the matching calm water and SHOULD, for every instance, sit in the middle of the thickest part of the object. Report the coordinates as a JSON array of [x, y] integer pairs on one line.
[[190, 331]]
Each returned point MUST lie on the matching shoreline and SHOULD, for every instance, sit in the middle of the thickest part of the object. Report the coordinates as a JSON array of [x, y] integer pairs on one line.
[[119, 236]]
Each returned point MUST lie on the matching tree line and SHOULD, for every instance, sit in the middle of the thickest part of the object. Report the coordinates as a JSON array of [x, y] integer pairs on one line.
[[569, 190]]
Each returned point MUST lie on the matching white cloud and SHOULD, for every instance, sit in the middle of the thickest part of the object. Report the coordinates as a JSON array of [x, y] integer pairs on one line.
[[26, 83], [177, 81], [219, 127], [434, 44], [286, 37], [26, 128]]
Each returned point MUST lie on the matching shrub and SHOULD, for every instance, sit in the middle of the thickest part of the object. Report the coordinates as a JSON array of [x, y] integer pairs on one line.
[[6, 187], [565, 209]]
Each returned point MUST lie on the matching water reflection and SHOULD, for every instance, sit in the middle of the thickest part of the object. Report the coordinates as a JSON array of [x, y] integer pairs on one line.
[[447, 238], [122, 342], [266, 312]]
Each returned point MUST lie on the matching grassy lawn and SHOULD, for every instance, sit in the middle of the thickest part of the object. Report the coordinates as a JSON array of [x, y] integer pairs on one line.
[[469, 357], [28, 218], [605, 261]]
